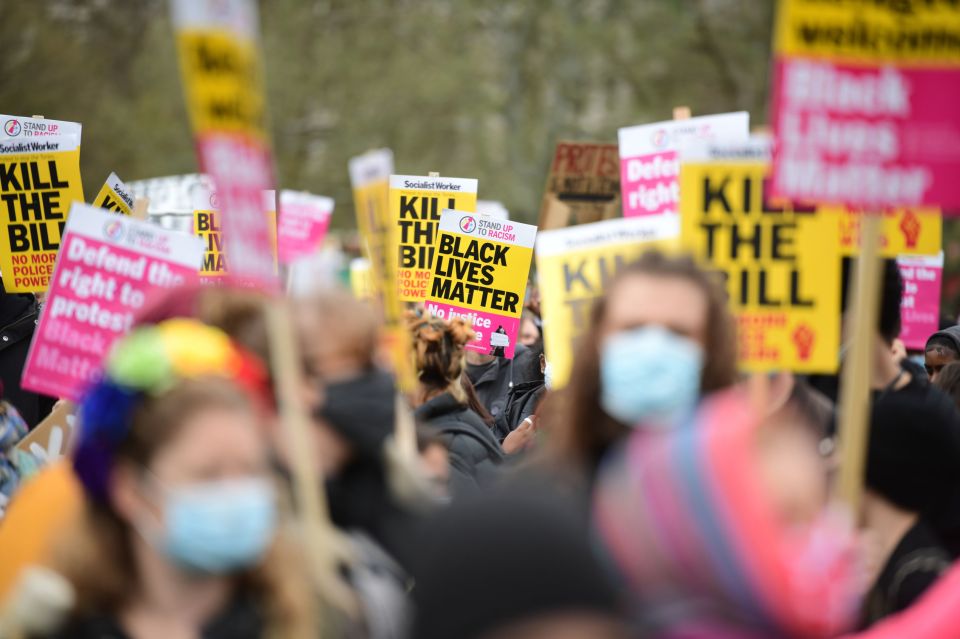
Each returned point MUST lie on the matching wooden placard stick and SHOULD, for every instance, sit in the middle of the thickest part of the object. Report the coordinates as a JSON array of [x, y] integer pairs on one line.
[[140, 207], [858, 368], [682, 113], [325, 548]]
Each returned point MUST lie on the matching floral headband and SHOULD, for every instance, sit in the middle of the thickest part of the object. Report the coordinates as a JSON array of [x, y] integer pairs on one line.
[[147, 363]]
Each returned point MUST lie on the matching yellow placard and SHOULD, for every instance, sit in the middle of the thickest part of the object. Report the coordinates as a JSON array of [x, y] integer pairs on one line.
[[222, 80], [361, 284], [903, 232], [39, 181], [782, 267], [575, 264], [206, 226], [905, 32], [415, 207], [114, 196]]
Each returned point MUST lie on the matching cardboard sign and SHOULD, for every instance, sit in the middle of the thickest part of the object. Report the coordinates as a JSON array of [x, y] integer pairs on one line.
[[108, 267], [370, 179], [222, 79], [920, 305], [781, 266], [583, 185], [904, 231], [864, 103], [480, 272], [415, 207], [39, 180], [574, 266], [649, 162], [303, 223], [52, 437], [18, 126], [115, 196], [208, 227]]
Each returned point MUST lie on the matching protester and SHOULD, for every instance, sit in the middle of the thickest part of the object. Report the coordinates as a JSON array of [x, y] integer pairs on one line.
[[492, 377], [720, 528], [475, 454], [948, 380], [530, 332], [510, 566], [659, 337], [12, 430], [19, 314], [523, 399], [180, 534], [942, 348]]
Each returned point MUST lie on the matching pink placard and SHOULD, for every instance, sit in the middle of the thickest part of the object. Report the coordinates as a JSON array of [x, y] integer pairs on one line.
[[107, 269], [302, 226], [920, 306], [866, 137], [241, 170], [496, 334]]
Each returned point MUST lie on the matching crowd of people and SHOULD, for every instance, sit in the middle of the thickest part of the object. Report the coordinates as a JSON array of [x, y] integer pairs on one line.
[[659, 493]]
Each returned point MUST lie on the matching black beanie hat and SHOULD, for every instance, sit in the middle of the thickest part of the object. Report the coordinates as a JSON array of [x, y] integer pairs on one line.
[[362, 410], [500, 559], [913, 456]]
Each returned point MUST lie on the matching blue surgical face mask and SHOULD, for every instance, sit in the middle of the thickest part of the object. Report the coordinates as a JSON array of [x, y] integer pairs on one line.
[[649, 376], [216, 527]]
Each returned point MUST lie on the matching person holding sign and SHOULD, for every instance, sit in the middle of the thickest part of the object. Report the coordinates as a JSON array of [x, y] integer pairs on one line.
[[181, 514], [659, 338], [475, 454]]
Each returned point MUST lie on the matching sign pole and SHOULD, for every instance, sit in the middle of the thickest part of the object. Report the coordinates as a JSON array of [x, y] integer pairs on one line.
[[857, 370]]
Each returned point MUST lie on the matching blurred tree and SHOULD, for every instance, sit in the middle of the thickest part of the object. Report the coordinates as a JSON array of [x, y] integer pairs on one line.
[[469, 88]]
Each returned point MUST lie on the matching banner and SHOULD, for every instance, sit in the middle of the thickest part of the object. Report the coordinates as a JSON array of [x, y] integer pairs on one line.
[[649, 161], [18, 126], [108, 267], [115, 196], [415, 207], [903, 232], [864, 103], [781, 266], [302, 225], [217, 41], [370, 179], [480, 273], [583, 185], [39, 180], [573, 267], [920, 305], [207, 226]]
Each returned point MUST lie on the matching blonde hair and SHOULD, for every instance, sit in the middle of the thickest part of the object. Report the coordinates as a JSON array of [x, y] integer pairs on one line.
[[439, 348], [97, 556]]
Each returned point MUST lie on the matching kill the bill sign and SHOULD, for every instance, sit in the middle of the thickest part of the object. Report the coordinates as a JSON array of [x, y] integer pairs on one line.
[[781, 265], [480, 275], [415, 207]]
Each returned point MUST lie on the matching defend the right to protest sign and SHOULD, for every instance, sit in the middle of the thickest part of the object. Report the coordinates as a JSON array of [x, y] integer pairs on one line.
[[115, 196], [781, 265], [480, 275], [302, 224], [573, 267], [415, 207], [108, 267], [583, 185], [217, 42], [920, 305], [39, 180], [865, 103], [649, 162]]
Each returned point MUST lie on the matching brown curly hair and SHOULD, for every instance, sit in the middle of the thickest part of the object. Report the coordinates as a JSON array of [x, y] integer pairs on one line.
[[439, 347]]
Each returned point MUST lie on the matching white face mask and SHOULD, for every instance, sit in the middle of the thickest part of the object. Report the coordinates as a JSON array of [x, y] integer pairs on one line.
[[548, 375]]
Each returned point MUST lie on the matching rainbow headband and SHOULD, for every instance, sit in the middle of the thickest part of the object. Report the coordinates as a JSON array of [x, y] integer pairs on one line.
[[149, 362]]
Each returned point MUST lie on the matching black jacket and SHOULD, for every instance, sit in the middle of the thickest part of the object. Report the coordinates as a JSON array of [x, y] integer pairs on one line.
[[18, 319], [475, 454], [493, 381], [522, 402]]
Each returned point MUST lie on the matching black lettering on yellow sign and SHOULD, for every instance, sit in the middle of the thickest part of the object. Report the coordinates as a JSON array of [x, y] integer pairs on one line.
[[754, 231], [465, 272], [419, 217], [30, 194], [110, 204], [220, 63], [580, 291], [208, 227]]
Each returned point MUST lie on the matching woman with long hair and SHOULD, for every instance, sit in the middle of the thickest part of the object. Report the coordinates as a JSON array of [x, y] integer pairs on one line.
[[442, 403], [180, 532]]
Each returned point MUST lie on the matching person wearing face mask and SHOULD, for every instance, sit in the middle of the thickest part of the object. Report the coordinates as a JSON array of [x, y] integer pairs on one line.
[[180, 534], [659, 338], [515, 426]]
